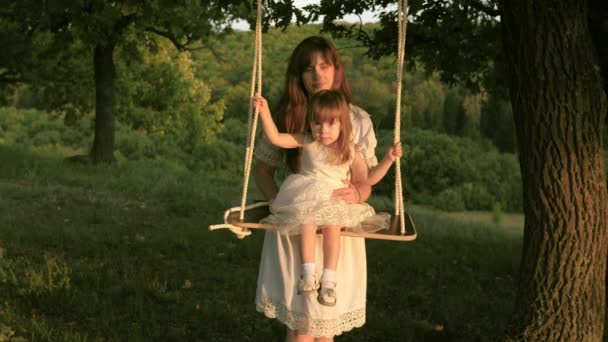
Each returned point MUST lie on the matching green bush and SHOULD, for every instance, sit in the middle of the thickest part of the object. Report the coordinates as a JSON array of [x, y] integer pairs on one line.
[[235, 131], [500, 174], [435, 162], [222, 156], [475, 196], [450, 200], [80, 135], [447, 172], [497, 213], [135, 145], [46, 137]]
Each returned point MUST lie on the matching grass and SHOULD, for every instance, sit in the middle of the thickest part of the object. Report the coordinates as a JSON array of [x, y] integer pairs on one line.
[[510, 221], [122, 253]]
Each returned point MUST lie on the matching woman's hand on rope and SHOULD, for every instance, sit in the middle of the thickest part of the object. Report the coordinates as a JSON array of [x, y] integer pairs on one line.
[[258, 102], [350, 194]]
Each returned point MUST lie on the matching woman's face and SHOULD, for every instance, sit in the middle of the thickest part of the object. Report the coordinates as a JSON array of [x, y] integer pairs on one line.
[[319, 75]]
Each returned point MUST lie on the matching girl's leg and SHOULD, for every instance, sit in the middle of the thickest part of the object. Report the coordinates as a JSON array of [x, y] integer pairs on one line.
[[331, 247], [308, 282], [293, 336], [331, 252], [307, 243], [303, 338], [324, 339]]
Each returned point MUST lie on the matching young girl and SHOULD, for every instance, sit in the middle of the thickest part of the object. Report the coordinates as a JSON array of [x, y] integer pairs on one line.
[[304, 201]]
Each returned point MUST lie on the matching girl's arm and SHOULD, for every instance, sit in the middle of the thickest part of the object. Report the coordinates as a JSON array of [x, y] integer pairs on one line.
[[378, 172], [283, 140]]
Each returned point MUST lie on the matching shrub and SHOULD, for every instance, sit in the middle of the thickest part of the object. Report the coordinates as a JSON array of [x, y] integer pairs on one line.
[[46, 137], [222, 156], [450, 200], [135, 145], [497, 213], [435, 162], [475, 196], [235, 131]]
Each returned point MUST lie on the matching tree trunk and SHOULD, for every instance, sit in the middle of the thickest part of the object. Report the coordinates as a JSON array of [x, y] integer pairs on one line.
[[559, 106], [103, 144], [598, 22]]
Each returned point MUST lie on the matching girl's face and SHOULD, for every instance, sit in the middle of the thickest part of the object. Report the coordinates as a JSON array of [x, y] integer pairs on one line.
[[327, 132], [319, 75]]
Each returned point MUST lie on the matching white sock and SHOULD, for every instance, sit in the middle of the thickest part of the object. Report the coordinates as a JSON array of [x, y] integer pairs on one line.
[[328, 280], [308, 271]]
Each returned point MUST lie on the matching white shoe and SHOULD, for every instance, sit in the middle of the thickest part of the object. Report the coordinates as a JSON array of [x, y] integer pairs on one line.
[[327, 296], [307, 287]]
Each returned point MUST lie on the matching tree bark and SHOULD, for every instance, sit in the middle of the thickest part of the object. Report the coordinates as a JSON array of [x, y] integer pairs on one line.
[[558, 105], [103, 143]]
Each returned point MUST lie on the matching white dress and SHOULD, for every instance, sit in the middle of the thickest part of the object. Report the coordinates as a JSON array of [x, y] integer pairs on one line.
[[305, 197], [280, 262]]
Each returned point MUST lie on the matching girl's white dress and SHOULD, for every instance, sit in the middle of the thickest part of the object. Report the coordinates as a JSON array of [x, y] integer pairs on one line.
[[276, 294], [305, 197]]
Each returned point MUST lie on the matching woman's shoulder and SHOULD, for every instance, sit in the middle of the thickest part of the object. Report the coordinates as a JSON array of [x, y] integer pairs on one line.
[[360, 118], [358, 112]]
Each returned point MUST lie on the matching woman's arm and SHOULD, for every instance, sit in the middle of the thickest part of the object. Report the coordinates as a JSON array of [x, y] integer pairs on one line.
[[264, 179], [283, 140]]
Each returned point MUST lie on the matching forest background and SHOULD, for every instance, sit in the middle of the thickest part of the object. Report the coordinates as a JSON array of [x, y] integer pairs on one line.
[[190, 108]]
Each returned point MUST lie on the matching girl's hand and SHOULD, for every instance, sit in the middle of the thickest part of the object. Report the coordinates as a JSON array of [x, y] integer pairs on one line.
[[260, 103], [394, 152]]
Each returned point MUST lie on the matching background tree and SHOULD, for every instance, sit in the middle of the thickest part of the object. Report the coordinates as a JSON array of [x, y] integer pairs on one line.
[[101, 27]]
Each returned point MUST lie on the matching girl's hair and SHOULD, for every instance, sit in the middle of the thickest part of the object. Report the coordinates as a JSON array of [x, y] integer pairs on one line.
[[291, 111], [327, 106]]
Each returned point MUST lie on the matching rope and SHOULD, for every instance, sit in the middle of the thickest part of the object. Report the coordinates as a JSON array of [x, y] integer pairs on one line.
[[401, 23], [252, 120], [238, 231], [256, 88]]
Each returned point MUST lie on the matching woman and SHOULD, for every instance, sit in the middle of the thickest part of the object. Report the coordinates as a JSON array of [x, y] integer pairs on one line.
[[313, 66]]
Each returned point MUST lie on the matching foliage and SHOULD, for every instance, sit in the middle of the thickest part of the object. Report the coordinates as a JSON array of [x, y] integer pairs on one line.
[[97, 28], [454, 173], [434, 166], [459, 39], [497, 123], [38, 128], [450, 200], [161, 95], [427, 104]]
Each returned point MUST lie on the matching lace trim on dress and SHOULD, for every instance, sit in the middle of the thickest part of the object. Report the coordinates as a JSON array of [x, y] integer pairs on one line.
[[332, 213], [316, 327]]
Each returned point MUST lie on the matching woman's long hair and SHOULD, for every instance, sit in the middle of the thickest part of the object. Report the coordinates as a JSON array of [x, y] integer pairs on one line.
[[291, 111], [327, 106]]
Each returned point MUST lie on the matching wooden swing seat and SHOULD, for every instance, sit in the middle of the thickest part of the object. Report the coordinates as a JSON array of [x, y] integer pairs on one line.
[[255, 213]]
